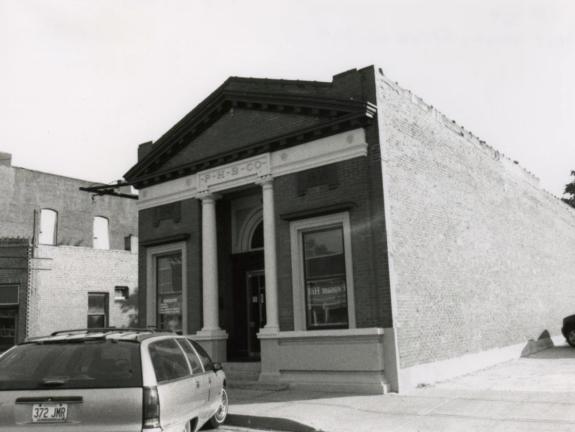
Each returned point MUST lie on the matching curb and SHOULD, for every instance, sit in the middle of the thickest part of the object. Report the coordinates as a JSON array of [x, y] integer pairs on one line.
[[268, 423]]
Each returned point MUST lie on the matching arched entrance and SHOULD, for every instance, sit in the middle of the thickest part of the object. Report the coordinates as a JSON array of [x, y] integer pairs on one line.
[[248, 279]]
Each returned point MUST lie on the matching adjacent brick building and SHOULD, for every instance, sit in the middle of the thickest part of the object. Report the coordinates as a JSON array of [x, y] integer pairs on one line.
[[346, 234], [67, 259]]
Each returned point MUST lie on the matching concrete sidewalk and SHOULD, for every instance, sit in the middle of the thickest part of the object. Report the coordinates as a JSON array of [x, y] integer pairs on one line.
[[535, 393]]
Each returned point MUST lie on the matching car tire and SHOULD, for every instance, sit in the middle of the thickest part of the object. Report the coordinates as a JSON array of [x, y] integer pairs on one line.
[[219, 417], [571, 337]]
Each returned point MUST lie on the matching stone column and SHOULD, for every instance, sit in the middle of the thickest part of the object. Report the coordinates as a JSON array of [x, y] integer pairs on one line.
[[270, 255], [212, 337]]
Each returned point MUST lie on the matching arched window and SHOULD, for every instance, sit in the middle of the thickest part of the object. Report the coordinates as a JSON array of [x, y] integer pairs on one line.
[[101, 233], [48, 227], [257, 240]]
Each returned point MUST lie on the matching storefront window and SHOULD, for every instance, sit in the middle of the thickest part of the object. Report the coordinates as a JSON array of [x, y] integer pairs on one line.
[[325, 279], [169, 291]]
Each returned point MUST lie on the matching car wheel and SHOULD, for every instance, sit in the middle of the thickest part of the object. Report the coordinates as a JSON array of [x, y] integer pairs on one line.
[[220, 416], [571, 338]]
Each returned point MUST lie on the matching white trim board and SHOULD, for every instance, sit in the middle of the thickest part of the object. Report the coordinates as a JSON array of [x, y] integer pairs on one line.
[[324, 151]]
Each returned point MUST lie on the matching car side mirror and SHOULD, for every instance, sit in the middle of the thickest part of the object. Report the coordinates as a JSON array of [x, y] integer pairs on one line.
[[217, 367]]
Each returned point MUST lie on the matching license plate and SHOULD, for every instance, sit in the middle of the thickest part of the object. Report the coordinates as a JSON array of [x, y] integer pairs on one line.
[[49, 413]]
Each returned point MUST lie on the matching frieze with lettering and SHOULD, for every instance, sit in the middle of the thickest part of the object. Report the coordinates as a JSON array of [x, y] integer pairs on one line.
[[257, 166]]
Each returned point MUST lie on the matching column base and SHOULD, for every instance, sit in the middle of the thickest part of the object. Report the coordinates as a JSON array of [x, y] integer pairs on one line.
[[214, 342], [266, 331]]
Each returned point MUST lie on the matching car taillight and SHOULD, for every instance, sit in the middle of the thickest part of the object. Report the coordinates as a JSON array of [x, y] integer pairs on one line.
[[151, 408]]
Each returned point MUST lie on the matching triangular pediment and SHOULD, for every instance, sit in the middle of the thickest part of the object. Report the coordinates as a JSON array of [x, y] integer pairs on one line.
[[236, 130], [245, 117]]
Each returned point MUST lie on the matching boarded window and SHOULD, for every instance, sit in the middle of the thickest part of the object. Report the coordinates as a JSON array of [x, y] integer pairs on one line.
[[314, 178], [48, 227], [8, 294], [101, 233]]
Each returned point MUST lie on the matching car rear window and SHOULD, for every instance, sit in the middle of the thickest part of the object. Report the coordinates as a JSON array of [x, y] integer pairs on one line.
[[71, 365]]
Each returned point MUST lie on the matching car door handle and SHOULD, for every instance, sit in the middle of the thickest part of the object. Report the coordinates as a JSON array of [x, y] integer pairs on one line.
[[197, 384]]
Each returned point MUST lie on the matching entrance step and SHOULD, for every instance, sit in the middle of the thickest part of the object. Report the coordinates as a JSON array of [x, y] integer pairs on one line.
[[242, 371]]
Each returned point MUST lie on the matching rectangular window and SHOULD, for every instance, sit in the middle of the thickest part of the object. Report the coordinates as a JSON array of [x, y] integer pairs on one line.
[[322, 273], [101, 233], [97, 310], [121, 293], [169, 291], [48, 227], [325, 278]]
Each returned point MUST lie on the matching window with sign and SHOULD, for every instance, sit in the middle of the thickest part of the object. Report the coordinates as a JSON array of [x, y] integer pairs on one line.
[[169, 291], [97, 310], [321, 252], [325, 281]]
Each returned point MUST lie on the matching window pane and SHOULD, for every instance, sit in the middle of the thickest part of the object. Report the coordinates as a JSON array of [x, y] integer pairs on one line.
[[169, 287], [97, 303], [325, 279], [169, 270], [48, 222], [94, 364], [168, 360], [192, 357], [101, 234], [257, 240], [97, 310], [204, 357], [96, 321]]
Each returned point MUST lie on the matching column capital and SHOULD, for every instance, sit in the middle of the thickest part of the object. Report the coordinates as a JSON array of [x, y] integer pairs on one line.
[[265, 180], [207, 195]]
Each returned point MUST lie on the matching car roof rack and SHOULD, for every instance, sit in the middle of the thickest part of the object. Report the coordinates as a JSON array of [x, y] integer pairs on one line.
[[108, 330]]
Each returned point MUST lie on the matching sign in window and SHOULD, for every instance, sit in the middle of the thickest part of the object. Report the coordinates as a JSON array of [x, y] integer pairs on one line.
[[325, 278], [169, 291]]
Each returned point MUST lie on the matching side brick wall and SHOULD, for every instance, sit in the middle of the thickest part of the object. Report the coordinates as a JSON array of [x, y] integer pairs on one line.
[[24, 192], [63, 276], [481, 257]]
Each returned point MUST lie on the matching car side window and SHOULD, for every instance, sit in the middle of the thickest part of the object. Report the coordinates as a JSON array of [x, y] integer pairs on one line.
[[192, 357], [204, 357], [168, 360]]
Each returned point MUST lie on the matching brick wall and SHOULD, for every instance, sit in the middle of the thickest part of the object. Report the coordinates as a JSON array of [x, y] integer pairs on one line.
[[355, 190], [63, 276], [23, 191], [186, 228], [481, 257]]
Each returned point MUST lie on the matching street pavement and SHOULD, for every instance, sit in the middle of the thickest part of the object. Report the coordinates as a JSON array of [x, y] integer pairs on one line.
[[535, 393]]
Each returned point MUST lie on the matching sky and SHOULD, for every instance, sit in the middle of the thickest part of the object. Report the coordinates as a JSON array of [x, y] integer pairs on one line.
[[82, 83]]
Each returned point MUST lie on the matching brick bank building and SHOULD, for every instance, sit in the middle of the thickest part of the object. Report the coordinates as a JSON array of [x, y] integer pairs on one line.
[[345, 234]]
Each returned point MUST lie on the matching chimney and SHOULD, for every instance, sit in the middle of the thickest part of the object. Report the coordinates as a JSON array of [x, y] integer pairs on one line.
[[5, 159], [144, 149]]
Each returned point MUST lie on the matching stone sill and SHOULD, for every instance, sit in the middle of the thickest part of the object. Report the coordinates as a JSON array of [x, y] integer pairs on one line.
[[303, 334]]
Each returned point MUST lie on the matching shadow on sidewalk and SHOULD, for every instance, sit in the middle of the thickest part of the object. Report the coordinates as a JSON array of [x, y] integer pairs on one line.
[[556, 352]]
